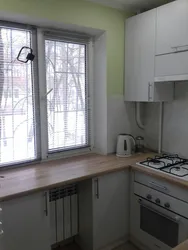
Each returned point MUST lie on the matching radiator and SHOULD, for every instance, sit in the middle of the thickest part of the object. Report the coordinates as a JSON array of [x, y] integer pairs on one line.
[[63, 212]]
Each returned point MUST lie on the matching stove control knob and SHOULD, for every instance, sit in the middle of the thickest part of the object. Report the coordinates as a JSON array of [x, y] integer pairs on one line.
[[158, 201], [167, 205], [149, 197]]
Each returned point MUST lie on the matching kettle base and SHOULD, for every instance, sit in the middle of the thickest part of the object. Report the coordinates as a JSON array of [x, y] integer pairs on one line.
[[123, 156]]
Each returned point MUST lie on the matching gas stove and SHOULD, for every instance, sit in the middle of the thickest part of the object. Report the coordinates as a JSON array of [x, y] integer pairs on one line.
[[170, 164]]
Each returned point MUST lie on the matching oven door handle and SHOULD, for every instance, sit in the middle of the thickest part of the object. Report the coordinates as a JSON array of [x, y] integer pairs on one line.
[[175, 219]]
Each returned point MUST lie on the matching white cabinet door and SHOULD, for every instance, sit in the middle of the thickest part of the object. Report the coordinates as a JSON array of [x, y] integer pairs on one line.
[[25, 223], [1, 237], [110, 209], [1, 242], [172, 28], [139, 56]]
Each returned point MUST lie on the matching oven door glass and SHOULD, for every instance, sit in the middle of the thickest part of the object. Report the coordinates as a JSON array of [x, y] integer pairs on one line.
[[159, 226]]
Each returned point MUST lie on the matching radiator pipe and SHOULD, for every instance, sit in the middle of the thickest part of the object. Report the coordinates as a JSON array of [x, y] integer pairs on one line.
[[138, 118]]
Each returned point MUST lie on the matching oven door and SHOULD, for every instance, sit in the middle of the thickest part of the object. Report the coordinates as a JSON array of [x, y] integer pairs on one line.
[[156, 227]]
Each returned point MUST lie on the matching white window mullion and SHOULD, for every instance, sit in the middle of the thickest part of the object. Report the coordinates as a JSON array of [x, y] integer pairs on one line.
[[89, 70], [42, 94], [36, 95]]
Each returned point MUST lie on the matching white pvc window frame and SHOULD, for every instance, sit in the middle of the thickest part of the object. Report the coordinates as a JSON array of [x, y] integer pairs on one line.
[[39, 70], [45, 154], [36, 114]]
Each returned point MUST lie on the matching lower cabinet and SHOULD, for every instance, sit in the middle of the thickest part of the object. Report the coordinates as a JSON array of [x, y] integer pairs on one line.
[[104, 211], [25, 223], [103, 216]]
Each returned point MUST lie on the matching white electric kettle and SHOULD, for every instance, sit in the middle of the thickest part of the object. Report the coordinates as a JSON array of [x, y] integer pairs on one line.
[[125, 145]]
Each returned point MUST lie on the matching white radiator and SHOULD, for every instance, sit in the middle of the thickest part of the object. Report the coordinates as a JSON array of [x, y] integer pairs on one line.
[[63, 212]]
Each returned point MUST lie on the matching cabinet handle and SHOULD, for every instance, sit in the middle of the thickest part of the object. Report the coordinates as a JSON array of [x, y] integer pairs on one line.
[[46, 203], [149, 90], [181, 48], [97, 188]]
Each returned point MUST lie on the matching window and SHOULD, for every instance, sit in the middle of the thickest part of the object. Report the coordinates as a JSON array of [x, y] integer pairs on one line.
[[16, 93], [67, 102], [25, 133], [17, 121]]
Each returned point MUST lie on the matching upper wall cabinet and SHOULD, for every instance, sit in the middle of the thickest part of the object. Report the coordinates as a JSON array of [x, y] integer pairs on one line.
[[140, 37], [172, 27], [171, 60], [139, 55]]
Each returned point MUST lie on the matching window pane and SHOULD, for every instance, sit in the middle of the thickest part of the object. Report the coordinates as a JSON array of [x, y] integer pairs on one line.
[[17, 137], [67, 102]]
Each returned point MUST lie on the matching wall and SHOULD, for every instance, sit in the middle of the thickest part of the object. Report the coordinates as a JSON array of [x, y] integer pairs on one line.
[[121, 119], [175, 123], [118, 117], [84, 14], [100, 97]]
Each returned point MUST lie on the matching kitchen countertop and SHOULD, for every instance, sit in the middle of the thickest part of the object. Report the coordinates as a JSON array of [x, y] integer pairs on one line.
[[26, 180], [182, 246], [43, 176]]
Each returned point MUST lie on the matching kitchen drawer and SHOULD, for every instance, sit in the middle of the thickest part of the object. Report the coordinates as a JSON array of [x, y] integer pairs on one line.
[[177, 206], [161, 186]]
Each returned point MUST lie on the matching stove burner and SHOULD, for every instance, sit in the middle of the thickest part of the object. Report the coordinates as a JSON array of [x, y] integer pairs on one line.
[[171, 156], [175, 168], [155, 161]]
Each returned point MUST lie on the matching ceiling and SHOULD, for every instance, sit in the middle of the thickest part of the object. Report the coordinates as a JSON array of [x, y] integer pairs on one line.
[[132, 5]]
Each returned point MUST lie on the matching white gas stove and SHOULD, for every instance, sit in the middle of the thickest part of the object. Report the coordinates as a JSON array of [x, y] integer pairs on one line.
[[169, 164]]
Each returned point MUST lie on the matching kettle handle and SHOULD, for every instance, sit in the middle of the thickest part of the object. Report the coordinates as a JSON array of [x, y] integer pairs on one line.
[[133, 139]]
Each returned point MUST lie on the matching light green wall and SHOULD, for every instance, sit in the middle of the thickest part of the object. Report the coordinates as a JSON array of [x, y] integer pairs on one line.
[[85, 14]]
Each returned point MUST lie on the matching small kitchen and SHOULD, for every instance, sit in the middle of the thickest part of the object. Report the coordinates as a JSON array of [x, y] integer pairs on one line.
[[93, 132]]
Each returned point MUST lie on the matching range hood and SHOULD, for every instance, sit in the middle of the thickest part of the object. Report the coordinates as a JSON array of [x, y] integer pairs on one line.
[[171, 67]]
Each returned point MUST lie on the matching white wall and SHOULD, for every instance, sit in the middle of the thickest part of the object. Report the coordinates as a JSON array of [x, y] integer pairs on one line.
[[121, 119], [99, 95], [175, 125], [111, 115]]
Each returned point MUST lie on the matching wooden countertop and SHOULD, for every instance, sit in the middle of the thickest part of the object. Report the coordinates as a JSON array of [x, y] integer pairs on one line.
[[182, 246], [22, 181], [26, 180]]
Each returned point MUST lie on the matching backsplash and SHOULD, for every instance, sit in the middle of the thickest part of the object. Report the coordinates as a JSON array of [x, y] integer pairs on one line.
[[121, 119], [175, 123]]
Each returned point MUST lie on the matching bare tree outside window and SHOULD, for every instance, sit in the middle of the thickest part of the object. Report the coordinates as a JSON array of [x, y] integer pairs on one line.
[[67, 102], [16, 110]]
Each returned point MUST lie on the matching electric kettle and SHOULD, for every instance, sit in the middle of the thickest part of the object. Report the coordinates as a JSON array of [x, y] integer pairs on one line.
[[125, 145]]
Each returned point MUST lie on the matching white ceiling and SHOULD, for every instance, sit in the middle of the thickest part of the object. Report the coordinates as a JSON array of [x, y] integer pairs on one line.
[[132, 5]]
